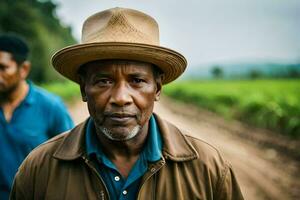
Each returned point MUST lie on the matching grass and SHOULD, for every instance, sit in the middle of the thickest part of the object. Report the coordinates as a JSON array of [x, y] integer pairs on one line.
[[68, 90], [272, 104]]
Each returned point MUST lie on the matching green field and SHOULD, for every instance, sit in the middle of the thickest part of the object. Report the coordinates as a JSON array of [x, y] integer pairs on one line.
[[67, 90], [272, 104]]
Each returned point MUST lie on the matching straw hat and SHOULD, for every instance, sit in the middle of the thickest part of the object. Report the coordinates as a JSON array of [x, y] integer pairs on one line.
[[119, 33]]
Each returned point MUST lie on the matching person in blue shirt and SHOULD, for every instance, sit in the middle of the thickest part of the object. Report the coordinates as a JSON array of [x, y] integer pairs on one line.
[[29, 115]]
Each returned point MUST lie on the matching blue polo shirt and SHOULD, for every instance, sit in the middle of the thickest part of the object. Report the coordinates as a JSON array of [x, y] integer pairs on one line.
[[118, 187], [39, 116]]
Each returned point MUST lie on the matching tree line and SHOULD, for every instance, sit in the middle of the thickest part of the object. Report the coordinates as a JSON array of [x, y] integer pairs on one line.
[[37, 23], [292, 71]]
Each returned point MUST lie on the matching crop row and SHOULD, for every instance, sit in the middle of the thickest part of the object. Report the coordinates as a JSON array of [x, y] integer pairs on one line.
[[272, 104]]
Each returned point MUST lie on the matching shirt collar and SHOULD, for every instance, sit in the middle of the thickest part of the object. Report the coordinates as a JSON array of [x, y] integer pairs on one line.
[[176, 145], [153, 146], [91, 139], [151, 151], [29, 99]]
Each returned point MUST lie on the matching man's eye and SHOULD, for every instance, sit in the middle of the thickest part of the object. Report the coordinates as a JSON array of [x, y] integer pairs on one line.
[[4, 68], [103, 81], [138, 80]]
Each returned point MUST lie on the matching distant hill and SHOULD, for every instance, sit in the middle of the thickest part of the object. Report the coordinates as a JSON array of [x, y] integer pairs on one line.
[[244, 69]]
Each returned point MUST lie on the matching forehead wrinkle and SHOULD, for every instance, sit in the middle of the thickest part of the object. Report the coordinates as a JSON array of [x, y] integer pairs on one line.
[[116, 68], [130, 69]]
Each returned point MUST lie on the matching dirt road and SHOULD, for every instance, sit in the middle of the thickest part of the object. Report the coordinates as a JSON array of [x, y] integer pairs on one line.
[[263, 172]]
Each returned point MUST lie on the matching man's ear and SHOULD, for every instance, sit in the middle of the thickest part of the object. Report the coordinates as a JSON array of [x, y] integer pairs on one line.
[[158, 87], [82, 89], [25, 69]]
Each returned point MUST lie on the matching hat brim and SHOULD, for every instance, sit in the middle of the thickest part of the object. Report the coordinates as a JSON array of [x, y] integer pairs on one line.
[[68, 60]]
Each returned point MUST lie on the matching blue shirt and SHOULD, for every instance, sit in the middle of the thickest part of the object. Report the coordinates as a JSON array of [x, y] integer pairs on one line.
[[39, 116], [118, 187]]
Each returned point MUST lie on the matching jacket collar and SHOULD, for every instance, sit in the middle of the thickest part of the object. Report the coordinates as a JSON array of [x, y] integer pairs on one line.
[[176, 147], [73, 144]]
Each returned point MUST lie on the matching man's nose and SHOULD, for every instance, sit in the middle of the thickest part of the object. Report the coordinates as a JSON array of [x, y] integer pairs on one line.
[[121, 95]]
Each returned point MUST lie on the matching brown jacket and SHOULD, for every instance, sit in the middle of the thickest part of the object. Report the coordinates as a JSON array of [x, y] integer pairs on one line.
[[190, 169]]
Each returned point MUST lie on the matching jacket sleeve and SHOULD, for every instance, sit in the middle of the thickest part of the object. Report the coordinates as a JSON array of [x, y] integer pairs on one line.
[[17, 191], [22, 186], [228, 187]]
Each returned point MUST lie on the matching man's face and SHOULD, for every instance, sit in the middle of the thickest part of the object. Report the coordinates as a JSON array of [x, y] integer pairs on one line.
[[9, 73], [120, 96]]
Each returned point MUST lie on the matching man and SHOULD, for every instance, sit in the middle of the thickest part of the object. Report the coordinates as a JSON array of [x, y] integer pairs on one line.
[[28, 115], [123, 150]]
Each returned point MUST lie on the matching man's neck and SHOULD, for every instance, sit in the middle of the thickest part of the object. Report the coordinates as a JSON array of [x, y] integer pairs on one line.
[[124, 154], [13, 100], [126, 148]]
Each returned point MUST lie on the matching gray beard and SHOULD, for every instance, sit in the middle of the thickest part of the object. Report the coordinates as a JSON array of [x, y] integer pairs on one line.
[[110, 135]]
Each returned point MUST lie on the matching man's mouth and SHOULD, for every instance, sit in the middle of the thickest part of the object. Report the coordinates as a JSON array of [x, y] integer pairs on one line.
[[120, 117]]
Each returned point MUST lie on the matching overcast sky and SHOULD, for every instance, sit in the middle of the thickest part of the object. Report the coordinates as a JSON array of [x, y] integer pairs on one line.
[[210, 31]]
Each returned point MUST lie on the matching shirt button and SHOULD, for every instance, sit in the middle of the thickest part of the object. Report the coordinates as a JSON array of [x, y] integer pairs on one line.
[[124, 192], [117, 178]]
